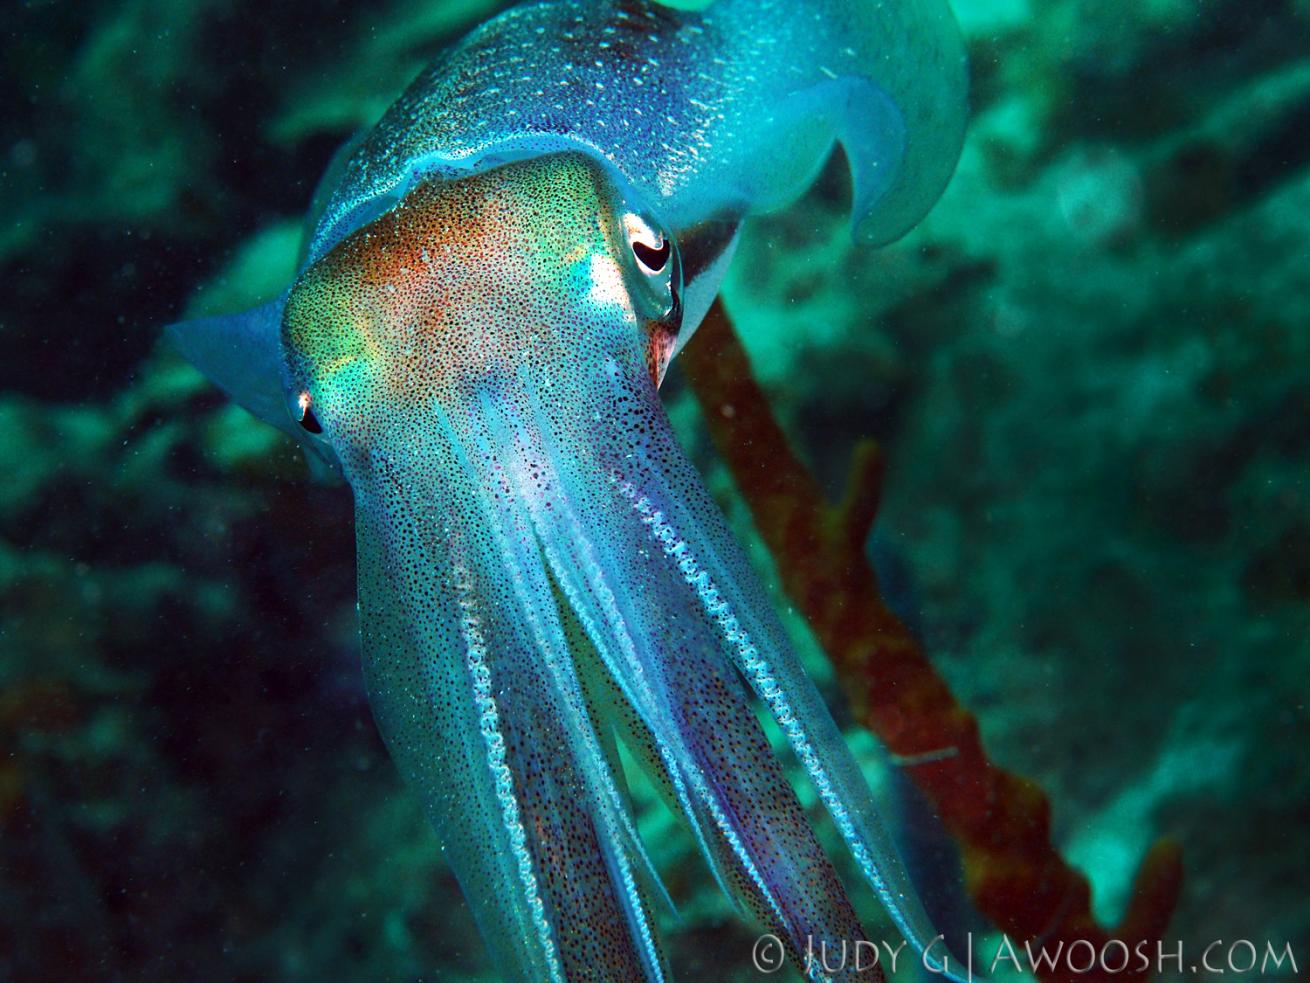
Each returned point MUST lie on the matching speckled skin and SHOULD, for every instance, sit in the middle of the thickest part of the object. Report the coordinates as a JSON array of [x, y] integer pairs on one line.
[[727, 110], [489, 301]]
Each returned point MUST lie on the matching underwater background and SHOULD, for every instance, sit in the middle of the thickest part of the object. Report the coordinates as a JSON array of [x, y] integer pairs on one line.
[[1088, 370]]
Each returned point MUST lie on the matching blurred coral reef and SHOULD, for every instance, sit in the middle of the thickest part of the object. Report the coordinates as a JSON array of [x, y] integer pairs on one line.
[[1087, 371]]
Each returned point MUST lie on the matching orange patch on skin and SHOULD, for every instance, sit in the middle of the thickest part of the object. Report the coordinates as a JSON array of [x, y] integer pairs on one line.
[[659, 350], [510, 274]]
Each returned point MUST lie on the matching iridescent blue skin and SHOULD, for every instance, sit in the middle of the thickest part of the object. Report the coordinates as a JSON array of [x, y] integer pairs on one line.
[[493, 285]]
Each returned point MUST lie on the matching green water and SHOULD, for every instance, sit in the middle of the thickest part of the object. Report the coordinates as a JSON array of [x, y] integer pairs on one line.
[[1089, 369]]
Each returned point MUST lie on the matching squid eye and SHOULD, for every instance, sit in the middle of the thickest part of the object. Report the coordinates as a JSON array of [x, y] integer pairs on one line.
[[651, 247], [653, 258], [308, 421]]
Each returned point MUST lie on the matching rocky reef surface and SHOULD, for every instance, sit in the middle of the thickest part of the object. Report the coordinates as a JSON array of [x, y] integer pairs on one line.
[[1089, 370]]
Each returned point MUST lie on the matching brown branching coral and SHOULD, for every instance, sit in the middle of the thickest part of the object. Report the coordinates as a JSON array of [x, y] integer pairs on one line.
[[1001, 822]]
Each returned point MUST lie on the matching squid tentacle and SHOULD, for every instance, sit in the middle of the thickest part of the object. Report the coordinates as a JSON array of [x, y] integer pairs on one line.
[[534, 591], [680, 683], [675, 510], [567, 862], [536, 609]]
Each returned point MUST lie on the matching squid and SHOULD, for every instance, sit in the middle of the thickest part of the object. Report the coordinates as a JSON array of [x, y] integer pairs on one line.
[[493, 282]]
